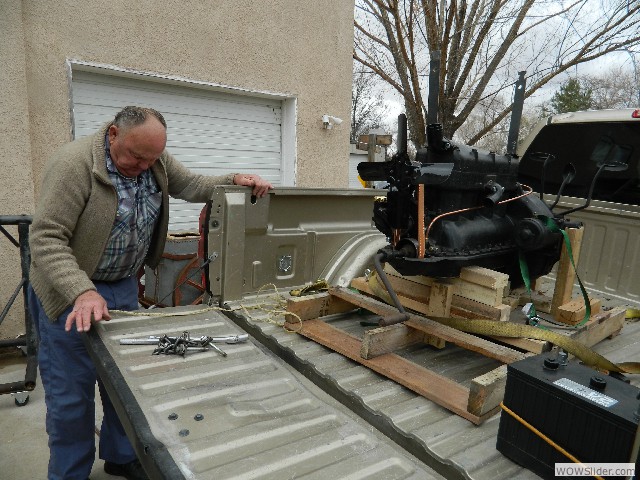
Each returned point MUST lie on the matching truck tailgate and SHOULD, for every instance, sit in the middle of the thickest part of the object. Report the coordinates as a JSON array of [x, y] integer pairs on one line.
[[247, 415]]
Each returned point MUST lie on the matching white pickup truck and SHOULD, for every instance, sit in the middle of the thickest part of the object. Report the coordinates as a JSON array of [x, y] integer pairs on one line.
[[610, 258], [280, 405]]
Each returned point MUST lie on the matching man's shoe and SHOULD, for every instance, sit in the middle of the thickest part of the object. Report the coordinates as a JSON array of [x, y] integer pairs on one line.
[[131, 471]]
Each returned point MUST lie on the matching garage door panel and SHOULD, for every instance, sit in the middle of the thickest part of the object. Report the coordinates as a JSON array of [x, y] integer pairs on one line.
[[239, 139], [188, 213], [192, 105], [210, 132]]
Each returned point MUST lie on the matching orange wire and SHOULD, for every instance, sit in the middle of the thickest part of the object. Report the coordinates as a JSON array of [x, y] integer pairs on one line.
[[426, 237], [421, 240], [542, 435]]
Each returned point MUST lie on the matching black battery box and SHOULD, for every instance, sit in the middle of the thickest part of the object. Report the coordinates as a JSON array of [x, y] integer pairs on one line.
[[591, 415]]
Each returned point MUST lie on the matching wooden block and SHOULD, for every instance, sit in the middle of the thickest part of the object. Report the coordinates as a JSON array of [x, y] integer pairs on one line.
[[513, 301], [440, 300], [574, 311], [485, 277], [379, 341], [410, 289], [600, 326], [540, 301], [315, 306], [479, 293], [487, 391], [434, 341]]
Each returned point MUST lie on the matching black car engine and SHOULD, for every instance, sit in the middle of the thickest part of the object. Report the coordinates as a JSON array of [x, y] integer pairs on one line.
[[456, 206]]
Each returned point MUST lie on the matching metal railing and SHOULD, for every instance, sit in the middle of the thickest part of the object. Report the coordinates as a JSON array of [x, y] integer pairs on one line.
[[29, 339]]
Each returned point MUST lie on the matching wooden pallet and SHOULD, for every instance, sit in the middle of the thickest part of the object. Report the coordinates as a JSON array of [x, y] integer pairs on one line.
[[375, 351], [478, 293], [476, 297]]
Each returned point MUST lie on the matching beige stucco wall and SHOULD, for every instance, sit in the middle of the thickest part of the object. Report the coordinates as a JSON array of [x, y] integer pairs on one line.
[[16, 181], [300, 49]]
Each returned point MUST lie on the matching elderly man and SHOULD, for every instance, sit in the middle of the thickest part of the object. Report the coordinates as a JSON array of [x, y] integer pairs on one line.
[[102, 214]]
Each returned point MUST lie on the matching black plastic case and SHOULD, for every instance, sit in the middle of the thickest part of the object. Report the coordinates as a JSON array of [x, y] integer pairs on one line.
[[589, 414]]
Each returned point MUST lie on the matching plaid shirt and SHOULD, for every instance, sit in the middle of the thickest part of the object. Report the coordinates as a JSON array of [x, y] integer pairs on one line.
[[139, 201]]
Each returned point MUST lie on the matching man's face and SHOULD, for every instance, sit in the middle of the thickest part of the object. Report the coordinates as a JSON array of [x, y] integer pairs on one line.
[[136, 149]]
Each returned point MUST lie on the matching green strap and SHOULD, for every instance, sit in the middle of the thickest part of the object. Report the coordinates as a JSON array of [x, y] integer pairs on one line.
[[532, 315], [524, 271], [553, 226]]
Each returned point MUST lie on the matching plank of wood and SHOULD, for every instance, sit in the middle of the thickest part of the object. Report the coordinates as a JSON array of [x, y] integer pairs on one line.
[[465, 340], [485, 277], [437, 388], [379, 341], [314, 306], [487, 391], [566, 275], [574, 311]]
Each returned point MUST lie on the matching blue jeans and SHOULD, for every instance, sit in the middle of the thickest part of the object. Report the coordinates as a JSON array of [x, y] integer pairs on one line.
[[69, 377]]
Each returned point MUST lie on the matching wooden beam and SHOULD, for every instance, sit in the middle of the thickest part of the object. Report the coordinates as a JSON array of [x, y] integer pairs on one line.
[[487, 391], [566, 275], [437, 388], [317, 305]]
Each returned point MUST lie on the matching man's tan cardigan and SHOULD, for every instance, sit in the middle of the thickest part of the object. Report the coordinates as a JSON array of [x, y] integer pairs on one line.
[[76, 211]]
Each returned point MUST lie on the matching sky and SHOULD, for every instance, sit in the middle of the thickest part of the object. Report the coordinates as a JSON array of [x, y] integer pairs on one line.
[[395, 106]]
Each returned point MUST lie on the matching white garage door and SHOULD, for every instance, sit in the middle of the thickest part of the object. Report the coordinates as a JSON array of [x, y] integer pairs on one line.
[[211, 132]]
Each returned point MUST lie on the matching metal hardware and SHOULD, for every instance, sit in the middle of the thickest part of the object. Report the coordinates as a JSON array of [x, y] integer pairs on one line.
[[153, 340], [179, 345]]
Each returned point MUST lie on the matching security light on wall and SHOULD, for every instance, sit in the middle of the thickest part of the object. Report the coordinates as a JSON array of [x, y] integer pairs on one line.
[[328, 121]]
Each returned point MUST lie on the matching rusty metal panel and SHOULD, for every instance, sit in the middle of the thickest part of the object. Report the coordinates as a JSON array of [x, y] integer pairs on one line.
[[243, 416]]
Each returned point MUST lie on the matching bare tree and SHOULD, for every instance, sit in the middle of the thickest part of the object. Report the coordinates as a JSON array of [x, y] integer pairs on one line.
[[495, 139], [367, 106], [483, 44], [615, 89]]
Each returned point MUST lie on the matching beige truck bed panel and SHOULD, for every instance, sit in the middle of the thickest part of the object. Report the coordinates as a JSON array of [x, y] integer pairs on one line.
[[609, 263], [288, 238], [243, 416]]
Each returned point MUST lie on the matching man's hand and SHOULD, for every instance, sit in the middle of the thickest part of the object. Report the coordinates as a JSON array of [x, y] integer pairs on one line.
[[89, 303], [260, 186]]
